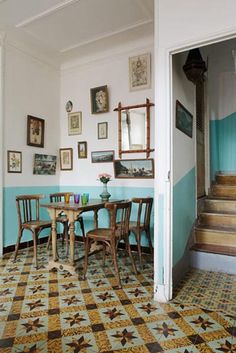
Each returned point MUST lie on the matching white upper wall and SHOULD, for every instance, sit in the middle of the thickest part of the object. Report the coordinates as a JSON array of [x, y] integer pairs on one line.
[[184, 146], [108, 68], [31, 87]]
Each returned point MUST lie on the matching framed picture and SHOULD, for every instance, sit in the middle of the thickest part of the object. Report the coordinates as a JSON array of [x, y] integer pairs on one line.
[[99, 100], [140, 72], [184, 119], [134, 168], [102, 156], [44, 164], [14, 162], [82, 149], [66, 158], [75, 123], [35, 131], [102, 130]]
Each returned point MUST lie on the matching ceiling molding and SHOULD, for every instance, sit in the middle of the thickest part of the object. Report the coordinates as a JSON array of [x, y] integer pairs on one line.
[[46, 13], [107, 35]]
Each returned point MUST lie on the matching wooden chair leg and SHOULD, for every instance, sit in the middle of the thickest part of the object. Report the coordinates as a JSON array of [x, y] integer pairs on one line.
[[18, 243], [66, 236], [104, 255], [138, 240], [131, 256], [35, 248], [87, 249], [81, 222], [49, 240], [149, 240], [114, 258]]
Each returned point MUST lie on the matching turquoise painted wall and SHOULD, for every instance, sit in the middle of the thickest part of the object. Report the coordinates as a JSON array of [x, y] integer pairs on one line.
[[184, 205], [10, 214], [223, 145]]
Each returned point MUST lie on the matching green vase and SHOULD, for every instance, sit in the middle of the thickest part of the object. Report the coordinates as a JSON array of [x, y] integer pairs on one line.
[[105, 194]]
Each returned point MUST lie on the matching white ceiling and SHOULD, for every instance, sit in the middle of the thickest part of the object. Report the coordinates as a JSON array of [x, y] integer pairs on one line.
[[67, 26]]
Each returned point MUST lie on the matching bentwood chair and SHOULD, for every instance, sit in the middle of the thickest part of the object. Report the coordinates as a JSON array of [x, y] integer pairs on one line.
[[60, 197], [110, 237], [142, 222], [29, 218]]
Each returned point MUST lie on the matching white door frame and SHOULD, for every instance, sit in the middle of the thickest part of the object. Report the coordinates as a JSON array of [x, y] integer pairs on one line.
[[2, 64], [163, 245]]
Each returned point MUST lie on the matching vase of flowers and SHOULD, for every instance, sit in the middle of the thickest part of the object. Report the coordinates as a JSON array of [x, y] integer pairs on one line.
[[104, 178]]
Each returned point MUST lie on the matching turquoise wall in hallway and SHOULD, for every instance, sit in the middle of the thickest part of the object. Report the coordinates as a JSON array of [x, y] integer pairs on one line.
[[10, 214], [184, 205], [223, 145]]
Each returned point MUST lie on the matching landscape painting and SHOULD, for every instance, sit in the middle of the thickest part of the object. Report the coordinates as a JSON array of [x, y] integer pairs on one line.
[[102, 156], [134, 168], [44, 164]]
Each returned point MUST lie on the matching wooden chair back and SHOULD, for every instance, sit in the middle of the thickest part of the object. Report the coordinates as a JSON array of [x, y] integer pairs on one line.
[[59, 196], [28, 208], [144, 211], [119, 218]]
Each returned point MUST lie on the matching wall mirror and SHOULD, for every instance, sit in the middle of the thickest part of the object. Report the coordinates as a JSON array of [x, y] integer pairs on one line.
[[134, 128]]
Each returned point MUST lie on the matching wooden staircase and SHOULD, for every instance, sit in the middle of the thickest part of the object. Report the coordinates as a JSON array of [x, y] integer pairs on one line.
[[215, 231]]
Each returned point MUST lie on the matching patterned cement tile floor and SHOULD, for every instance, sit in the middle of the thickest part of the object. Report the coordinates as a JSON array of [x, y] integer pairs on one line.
[[42, 311]]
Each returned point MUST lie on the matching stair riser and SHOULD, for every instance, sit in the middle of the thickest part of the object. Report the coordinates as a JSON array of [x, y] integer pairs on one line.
[[218, 220], [220, 206], [226, 179], [214, 238], [221, 191]]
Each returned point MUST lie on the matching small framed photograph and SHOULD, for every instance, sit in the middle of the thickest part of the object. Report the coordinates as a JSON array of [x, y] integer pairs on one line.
[[66, 158], [140, 72], [134, 168], [99, 100], [82, 149], [75, 123], [44, 164], [184, 119], [35, 131], [102, 156], [14, 162], [102, 130]]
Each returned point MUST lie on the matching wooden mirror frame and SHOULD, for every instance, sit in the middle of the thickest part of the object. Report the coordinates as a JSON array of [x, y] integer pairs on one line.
[[147, 150]]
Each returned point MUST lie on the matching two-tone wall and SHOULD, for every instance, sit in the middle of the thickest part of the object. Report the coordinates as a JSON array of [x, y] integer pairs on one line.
[[34, 87]]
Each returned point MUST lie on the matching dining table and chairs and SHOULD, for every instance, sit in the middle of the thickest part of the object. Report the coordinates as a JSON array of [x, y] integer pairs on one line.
[[65, 209]]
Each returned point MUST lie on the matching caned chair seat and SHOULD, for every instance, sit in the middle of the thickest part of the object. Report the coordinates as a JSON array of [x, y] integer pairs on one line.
[[142, 222], [119, 230], [60, 197], [29, 219]]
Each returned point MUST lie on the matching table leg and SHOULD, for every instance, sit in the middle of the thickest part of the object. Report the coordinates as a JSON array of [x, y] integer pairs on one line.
[[54, 239], [95, 218], [72, 242]]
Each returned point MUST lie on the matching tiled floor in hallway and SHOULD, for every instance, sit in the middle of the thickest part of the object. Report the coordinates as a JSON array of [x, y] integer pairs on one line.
[[42, 311]]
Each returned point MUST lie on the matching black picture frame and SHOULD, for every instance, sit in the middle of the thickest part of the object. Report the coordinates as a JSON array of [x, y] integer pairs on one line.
[[184, 119]]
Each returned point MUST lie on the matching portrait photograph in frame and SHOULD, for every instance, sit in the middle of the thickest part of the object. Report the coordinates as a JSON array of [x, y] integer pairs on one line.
[[44, 164], [140, 72], [35, 131], [66, 158], [99, 100], [184, 119], [134, 168], [102, 130], [14, 162], [102, 156], [82, 149], [75, 123]]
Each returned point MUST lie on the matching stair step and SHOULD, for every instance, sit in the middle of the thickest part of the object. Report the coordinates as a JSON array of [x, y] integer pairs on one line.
[[222, 205], [218, 219], [229, 179], [212, 235], [223, 191], [215, 249]]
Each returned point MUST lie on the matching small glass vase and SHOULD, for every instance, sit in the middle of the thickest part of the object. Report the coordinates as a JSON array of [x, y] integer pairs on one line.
[[105, 194]]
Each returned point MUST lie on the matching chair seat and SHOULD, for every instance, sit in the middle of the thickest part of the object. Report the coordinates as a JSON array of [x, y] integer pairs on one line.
[[104, 233], [36, 224]]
